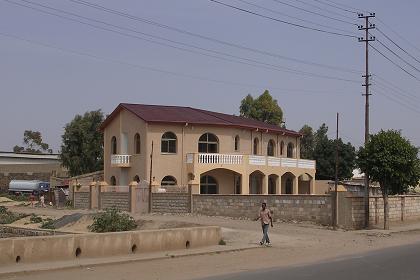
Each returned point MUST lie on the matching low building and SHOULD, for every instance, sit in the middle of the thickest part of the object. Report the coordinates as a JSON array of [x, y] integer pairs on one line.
[[214, 153], [25, 166]]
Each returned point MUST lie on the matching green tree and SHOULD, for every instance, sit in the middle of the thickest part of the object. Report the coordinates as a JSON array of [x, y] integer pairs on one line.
[[324, 154], [307, 142], [392, 161], [263, 108], [82, 147], [33, 143]]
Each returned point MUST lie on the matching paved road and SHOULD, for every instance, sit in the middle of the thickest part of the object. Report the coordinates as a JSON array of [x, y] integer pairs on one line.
[[397, 263]]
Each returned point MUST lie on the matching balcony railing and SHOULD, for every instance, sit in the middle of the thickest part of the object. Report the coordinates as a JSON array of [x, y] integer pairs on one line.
[[120, 160], [229, 159]]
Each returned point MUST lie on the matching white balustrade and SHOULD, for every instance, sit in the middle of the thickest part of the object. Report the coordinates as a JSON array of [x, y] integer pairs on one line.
[[257, 160], [120, 159], [304, 163], [207, 158], [289, 162], [273, 161], [219, 159]]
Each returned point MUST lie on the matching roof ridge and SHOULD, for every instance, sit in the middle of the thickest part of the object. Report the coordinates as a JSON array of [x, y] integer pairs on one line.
[[207, 113]]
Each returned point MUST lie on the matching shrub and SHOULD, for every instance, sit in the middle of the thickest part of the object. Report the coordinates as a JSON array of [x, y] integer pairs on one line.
[[222, 242], [112, 220], [7, 217], [35, 219], [48, 223]]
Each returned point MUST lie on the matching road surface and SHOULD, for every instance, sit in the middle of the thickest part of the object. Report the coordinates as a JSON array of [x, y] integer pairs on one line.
[[396, 263]]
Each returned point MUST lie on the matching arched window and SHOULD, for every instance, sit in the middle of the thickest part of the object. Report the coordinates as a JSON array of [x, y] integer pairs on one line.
[[256, 146], [136, 179], [236, 143], [168, 143], [168, 181], [113, 145], [208, 185], [271, 147], [290, 149], [208, 143], [281, 148], [137, 146], [113, 181]]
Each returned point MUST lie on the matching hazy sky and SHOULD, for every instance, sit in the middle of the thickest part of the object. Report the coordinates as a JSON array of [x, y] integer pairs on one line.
[[44, 88]]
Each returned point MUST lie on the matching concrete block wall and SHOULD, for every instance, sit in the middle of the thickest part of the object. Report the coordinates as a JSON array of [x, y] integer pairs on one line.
[[401, 208], [82, 200], [171, 202], [119, 200], [315, 208]]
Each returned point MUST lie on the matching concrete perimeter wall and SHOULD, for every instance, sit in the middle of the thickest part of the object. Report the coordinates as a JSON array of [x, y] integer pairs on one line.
[[119, 200], [171, 202], [72, 246], [401, 208], [315, 208]]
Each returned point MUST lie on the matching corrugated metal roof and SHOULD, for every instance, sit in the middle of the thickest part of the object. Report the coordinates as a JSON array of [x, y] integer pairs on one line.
[[179, 114]]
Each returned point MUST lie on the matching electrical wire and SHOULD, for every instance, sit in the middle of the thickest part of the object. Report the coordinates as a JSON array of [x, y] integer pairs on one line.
[[245, 61], [323, 9], [281, 21], [312, 12], [394, 63], [336, 6], [158, 70], [393, 86], [398, 101], [405, 97], [397, 55], [293, 17], [398, 46], [230, 44]]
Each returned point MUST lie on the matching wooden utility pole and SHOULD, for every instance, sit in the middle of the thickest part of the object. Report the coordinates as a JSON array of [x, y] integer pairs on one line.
[[335, 216], [150, 180], [368, 38]]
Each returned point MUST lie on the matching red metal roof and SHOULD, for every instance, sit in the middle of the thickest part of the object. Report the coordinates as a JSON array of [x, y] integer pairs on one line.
[[182, 115]]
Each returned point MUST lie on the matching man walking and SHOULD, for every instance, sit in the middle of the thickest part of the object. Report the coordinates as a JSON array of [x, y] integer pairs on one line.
[[266, 221]]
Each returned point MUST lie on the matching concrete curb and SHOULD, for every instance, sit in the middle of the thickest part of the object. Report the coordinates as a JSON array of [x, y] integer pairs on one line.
[[84, 263]]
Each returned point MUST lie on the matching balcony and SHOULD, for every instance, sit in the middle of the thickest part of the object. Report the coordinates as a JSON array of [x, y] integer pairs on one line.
[[120, 160], [231, 159]]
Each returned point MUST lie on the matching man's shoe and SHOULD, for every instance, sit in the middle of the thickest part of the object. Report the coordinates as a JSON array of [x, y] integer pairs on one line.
[[268, 244], [261, 243]]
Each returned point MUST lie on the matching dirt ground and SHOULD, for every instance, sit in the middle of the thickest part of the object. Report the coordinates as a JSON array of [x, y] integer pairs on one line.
[[293, 244]]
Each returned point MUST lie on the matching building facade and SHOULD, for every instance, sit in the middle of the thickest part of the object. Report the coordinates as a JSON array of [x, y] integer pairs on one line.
[[212, 152]]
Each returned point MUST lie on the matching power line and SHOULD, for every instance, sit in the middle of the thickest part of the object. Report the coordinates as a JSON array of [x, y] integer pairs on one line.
[[398, 101], [249, 62], [398, 46], [394, 63], [346, 6], [312, 12], [281, 21], [394, 87], [407, 97], [324, 9], [336, 6], [154, 69], [293, 17], [154, 23], [397, 55], [399, 35]]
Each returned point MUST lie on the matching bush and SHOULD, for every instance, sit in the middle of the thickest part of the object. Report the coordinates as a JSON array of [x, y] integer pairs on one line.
[[7, 217], [35, 219], [112, 220], [48, 223]]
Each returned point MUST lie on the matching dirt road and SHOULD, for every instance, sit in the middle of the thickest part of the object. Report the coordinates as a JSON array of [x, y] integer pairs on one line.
[[293, 244]]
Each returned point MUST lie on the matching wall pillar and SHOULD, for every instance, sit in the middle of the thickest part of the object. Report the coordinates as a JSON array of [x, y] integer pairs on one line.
[[93, 197], [132, 198], [244, 183], [278, 185], [312, 186], [264, 189], [296, 185]]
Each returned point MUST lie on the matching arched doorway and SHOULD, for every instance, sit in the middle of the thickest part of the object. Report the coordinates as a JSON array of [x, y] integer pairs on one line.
[[272, 183], [287, 183], [304, 183], [255, 182], [290, 150], [208, 185]]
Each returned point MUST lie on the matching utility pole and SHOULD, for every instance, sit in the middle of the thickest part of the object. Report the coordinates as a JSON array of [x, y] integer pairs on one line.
[[335, 215], [150, 180], [368, 38]]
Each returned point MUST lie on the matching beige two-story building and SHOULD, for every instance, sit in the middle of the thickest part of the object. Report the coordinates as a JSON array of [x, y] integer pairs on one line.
[[214, 153]]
